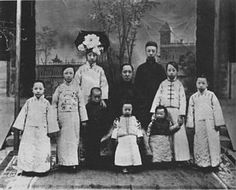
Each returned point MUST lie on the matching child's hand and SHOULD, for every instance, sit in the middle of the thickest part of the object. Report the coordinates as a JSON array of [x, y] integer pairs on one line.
[[84, 123], [217, 128], [175, 128], [53, 135], [103, 104], [180, 121], [139, 140]]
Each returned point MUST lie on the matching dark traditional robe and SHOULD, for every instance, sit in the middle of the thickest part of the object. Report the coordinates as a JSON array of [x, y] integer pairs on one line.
[[149, 75], [122, 91], [95, 129]]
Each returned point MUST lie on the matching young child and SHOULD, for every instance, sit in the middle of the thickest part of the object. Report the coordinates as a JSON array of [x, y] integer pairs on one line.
[[171, 95], [205, 116], [127, 132], [69, 103], [36, 121], [96, 127], [159, 132]]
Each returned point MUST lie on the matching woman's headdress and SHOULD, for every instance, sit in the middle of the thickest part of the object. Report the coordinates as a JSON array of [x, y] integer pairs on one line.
[[91, 41]]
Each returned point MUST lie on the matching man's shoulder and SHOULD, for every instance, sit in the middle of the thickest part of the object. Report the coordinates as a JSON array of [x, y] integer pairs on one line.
[[142, 65]]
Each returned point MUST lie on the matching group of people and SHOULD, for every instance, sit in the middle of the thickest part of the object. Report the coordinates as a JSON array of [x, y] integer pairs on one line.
[[143, 119]]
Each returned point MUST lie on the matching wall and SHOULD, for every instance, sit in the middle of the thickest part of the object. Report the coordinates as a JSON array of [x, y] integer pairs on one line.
[[67, 17]]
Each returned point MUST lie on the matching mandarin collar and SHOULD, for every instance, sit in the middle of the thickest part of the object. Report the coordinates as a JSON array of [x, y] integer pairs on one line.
[[172, 80], [90, 66], [203, 93], [69, 84], [41, 97]]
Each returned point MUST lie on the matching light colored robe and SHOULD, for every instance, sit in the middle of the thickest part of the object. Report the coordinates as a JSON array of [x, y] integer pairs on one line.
[[88, 77], [36, 119], [172, 96], [126, 130], [68, 101], [204, 113]]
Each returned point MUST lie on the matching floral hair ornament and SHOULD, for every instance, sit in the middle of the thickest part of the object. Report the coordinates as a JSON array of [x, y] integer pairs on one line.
[[92, 41]]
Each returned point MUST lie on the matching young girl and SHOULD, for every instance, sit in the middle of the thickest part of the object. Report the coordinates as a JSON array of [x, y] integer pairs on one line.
[[159, 132], [205, 116], [127, 131], [36, 120], [171, 95], [68, 101], [95, 129]]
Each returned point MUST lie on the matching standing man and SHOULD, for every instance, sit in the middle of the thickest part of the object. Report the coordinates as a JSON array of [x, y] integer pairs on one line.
[[148, 77]]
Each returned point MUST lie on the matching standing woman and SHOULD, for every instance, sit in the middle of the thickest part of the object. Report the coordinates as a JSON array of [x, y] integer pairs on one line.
[[90, 74], [69, 102], [171, 95]]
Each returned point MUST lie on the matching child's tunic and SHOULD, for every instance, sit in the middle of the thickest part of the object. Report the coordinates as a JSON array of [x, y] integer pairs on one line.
[[69, 103], [159, 139], [35, 149], [171, 95], [204, 114], [96, 127], [88, 77], [127, 129]]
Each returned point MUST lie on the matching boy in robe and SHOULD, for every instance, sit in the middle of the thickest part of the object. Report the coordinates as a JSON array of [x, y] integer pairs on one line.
[[37, 122], [205, 117], [95, 128]]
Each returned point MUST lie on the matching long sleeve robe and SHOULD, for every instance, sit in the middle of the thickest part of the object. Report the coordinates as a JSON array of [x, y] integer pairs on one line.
[[88, 77], [126, 131], [148, 77], [171, 95], [204, 113], [36, 119], [69, 103]]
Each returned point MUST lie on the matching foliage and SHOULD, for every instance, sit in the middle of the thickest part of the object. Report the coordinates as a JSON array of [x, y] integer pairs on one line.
[[45, 42], [122, 17]]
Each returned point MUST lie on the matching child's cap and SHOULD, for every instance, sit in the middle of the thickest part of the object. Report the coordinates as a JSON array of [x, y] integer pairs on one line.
[[127, 101], [68, 66], [95, 89], [174, 64]]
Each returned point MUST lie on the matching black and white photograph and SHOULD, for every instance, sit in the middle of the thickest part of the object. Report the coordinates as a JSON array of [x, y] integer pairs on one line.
[[117, 94]]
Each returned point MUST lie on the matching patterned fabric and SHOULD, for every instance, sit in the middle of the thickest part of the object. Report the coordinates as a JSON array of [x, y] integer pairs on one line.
[[66, 100], [126, 130], [35, 149], [204, 114], [161, 148], [126, 126], [170, 94], [88, 77]]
